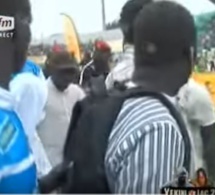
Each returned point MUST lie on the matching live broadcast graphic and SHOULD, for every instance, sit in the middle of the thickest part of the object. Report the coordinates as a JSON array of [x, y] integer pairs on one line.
[[200, 185]]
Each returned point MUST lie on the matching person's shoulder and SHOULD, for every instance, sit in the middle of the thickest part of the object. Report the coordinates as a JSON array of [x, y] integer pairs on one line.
[[146, 110], [27, 83], [197, 102], [194, 85], [22, 81], [198, 92], [76, 87], [123, 64], [194, 92], [26, 78]]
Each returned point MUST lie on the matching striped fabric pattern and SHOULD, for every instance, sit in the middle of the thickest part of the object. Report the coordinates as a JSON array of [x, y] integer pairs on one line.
[[145, 148]]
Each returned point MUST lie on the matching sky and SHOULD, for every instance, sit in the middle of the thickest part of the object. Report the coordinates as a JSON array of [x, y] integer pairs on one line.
[[87, 14]]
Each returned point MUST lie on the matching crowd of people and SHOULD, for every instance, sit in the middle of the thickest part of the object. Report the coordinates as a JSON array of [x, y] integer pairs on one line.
[[133, 128], [205, 61]]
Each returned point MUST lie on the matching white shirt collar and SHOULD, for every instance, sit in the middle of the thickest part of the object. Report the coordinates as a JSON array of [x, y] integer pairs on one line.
[[7, 101]]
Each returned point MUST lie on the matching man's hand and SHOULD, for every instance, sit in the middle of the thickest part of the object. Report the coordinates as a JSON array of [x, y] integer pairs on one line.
[[56, 178]]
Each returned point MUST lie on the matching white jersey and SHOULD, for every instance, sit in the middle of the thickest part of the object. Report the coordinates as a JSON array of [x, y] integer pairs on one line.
[[197, 109]]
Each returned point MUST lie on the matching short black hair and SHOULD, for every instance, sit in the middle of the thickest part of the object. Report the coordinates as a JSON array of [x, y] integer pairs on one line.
[[127, 17], [164, 32]]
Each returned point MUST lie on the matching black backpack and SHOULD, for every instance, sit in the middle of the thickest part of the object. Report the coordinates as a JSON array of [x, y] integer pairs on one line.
[[87, 140]]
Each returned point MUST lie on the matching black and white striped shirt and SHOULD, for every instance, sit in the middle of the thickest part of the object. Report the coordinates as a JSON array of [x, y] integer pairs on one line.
[[145, 148]]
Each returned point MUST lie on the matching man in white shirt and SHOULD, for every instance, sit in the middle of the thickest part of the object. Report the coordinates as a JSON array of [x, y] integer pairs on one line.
[[62, 96], [30, 92], [197, 108]]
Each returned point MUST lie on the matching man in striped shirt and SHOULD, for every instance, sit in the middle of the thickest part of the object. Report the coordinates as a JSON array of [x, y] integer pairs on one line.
[[145, 146], [190, 100]]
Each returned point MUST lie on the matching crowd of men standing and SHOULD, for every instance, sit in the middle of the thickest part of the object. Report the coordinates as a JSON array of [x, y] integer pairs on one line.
[[130, 129]]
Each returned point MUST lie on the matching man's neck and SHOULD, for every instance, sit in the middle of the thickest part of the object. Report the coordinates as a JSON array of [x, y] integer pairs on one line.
[[160, 81], [56, 87], [5, 71], [6, 62], [4, 82]]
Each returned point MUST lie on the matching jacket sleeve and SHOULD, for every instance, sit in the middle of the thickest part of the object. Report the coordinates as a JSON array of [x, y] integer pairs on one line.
[[76, 113]]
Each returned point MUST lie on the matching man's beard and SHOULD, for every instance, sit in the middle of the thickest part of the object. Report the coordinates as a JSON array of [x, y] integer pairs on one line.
[[61, 86]]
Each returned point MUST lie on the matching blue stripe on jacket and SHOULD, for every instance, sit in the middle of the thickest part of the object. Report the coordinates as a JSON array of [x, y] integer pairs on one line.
[[17, 167]]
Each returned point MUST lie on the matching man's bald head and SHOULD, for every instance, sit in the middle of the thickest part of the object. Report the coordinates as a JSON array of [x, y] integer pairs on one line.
[[19, 8], [164, 32], [164, 40]]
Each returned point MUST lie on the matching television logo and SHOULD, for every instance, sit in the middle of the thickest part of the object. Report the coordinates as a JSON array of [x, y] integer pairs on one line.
[[7, 25]]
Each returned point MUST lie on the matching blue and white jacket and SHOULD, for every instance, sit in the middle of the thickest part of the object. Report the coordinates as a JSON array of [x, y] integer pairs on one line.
[[17, 167]]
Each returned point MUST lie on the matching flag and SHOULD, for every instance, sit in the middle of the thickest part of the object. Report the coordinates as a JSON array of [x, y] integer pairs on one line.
[[71, 37], [208, 80]]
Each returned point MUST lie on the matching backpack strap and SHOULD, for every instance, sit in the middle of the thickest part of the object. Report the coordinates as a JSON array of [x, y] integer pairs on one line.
[[88, 145], [89, 140], [138, 92]]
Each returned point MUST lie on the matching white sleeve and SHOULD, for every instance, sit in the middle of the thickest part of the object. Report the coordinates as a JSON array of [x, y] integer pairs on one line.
[[82, 94], [201, 106], [109, 82], [31, 98]]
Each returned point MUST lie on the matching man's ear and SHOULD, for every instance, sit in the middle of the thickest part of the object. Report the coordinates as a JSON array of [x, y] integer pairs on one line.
[[22, 37], [192, 56], [128, 32]]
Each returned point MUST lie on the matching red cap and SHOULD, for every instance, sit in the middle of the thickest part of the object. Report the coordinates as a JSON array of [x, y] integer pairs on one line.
[[102, 46]]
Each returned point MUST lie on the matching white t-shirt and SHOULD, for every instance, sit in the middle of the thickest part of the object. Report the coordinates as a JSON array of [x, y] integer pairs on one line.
[[53, 129], [31, 93], [197, 109], [123, 71]]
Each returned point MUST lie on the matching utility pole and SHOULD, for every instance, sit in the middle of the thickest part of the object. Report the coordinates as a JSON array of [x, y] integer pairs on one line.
[[103, 15], [212, 1]]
